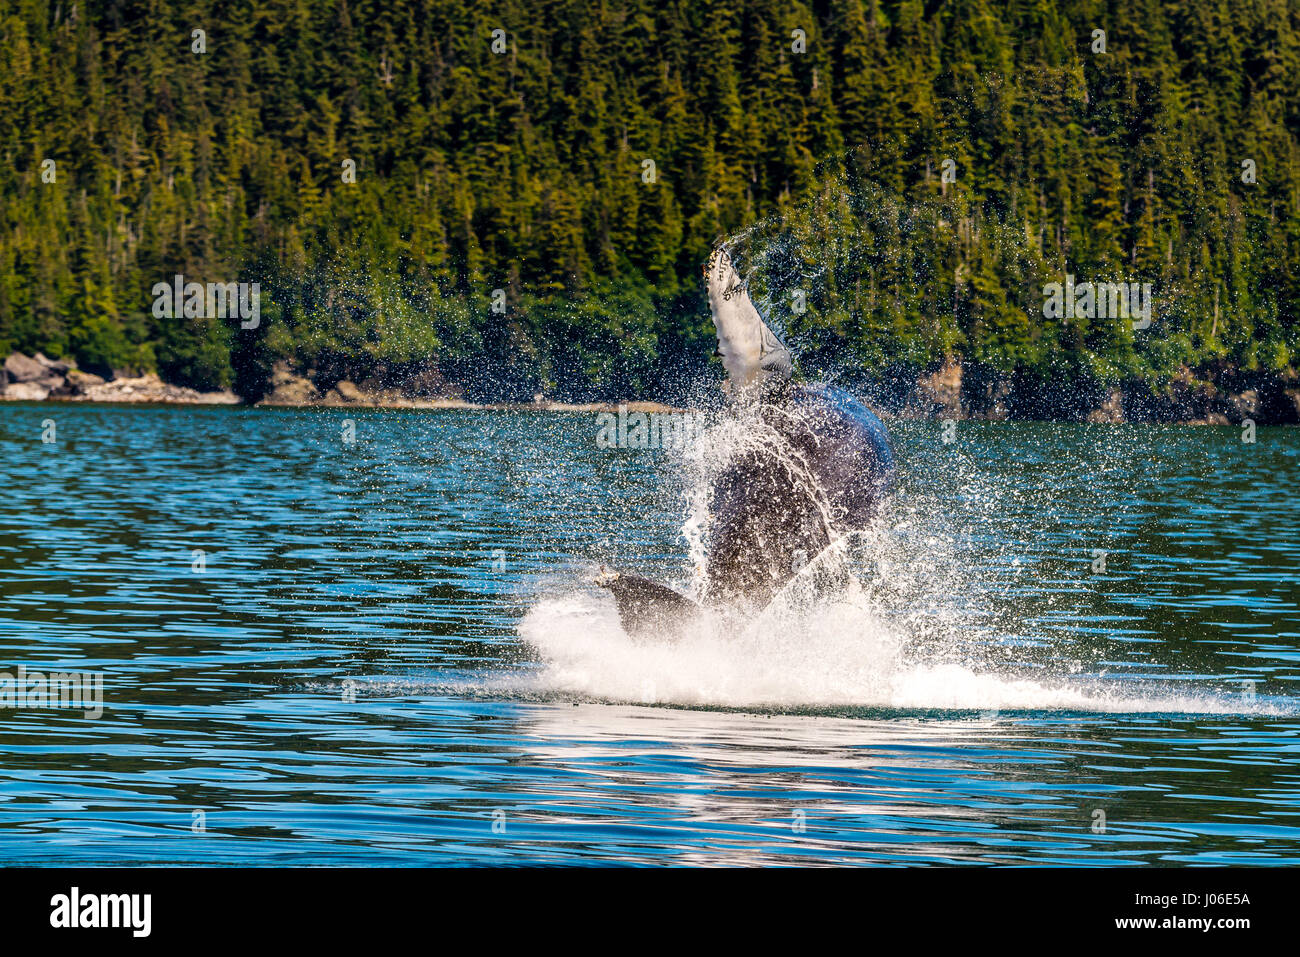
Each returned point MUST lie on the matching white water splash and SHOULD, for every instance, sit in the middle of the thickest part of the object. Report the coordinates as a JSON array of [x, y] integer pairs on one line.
[[836, 655], [910, 614]]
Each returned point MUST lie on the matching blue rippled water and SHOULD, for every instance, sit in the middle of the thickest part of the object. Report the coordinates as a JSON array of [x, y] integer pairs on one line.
[[1073, 645]]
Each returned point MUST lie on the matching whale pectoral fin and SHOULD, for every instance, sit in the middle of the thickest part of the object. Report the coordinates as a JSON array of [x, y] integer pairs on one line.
[[647, 608]]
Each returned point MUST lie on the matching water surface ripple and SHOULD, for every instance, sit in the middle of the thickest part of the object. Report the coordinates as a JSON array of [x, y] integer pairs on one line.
[[1076, 645]]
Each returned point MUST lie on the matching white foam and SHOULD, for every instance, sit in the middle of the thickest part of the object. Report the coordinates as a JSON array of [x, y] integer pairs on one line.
[[834, 655]]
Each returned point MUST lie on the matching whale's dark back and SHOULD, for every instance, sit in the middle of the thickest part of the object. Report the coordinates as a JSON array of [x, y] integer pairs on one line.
[[772, 510]]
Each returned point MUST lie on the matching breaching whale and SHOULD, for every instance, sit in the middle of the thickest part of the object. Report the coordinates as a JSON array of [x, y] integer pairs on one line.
[[818, 467]]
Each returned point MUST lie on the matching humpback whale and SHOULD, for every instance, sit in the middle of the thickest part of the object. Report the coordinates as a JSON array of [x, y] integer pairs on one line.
[[814, 465]]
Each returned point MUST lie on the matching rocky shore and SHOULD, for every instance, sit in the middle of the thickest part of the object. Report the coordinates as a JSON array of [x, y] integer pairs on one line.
[[290, 389], [949, 391], [39, 379], [1221, 397]]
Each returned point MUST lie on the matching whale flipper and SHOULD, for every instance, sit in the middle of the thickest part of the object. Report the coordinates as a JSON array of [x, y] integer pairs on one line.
[[751, 352], [647, 608]]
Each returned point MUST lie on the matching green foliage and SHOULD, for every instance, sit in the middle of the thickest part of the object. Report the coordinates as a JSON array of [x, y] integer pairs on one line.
[[523, 171], [195, 353]]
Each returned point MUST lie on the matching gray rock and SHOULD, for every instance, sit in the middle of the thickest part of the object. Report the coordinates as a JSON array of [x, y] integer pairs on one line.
[[26, 392], [79, 382], [1111, 409], [58, 367], [940, 392], [349, 392], [1244, 405], [21, 368], [288, 388]]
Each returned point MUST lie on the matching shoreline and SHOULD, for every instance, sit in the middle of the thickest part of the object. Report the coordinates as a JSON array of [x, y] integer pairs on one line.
[[947, 394], [221, 399]]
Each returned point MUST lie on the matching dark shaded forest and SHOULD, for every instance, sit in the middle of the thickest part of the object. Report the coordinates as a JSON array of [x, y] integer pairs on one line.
[[901, 177]]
